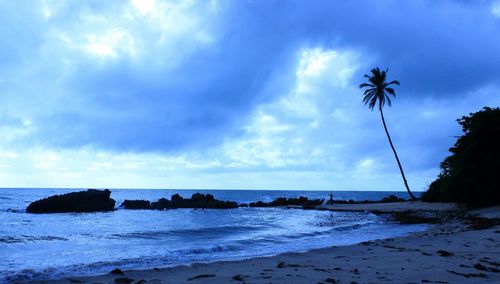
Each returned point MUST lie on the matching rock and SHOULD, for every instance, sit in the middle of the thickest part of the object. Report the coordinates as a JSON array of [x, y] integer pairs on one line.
[[116, 271], [283, 201], [136, 204], [444, 253], [201, 276], [92, 200], [123, 280], [392, 198], [161, 204], [197, 200], [481, 267], [176, 198], [238, 277]]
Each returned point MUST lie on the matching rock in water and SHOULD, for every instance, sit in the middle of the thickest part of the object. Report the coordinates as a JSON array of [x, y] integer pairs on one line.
[[92, 200], [136, 204], [283, 201]]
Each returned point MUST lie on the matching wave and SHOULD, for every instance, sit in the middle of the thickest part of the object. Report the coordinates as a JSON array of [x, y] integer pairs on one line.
[[236, 249], [207, 231], [26, 239], [174, 257]]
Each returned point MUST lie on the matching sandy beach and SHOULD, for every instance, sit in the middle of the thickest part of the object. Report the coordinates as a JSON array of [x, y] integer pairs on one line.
[[463, 250]]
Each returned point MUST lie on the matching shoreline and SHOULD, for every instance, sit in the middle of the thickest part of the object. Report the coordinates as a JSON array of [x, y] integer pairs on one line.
[[463, 250]]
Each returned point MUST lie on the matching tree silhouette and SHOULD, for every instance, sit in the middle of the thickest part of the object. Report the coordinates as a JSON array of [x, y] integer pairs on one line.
[[377, 94], [470, 174]]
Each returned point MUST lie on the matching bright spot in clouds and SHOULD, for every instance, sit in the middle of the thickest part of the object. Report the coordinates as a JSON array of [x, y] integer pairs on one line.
[[495, 8], [144, 6]]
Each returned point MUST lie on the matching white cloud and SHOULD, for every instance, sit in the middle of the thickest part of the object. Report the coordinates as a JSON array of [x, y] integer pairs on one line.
[[288, 132], [145, 6], [495, 8]]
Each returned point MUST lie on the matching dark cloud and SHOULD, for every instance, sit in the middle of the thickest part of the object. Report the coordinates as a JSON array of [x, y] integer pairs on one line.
[[436, 48]]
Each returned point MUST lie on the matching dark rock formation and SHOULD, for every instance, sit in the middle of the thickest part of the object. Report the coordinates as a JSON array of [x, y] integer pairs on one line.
[[92, 200], [283, 201], [312, 203], [136, 204], [388, 199], [392, 198], [208, 201], [197, 200], [161, 204]]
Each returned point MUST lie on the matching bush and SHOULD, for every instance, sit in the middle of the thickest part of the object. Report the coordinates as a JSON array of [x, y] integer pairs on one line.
[[471, 174]]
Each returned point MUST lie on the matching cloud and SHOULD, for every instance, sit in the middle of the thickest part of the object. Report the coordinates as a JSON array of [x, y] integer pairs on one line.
[[241, 87], [166, 75]]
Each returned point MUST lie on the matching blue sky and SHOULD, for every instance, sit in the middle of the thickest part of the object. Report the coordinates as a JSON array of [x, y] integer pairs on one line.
[[237, 94]]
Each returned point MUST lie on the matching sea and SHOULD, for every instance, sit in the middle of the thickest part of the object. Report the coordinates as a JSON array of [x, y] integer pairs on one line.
[[53, 246]]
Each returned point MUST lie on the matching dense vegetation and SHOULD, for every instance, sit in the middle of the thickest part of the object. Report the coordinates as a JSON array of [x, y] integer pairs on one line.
[[471, 174]]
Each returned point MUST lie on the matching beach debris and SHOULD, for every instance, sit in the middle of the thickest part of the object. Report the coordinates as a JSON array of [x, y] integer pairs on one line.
[[444, 253], [468, 275], [238, 277], [411, 217], [481, 267], [283, 265], [201, 276], [92, 200], [480, 223], [486, 260], [124, 280]]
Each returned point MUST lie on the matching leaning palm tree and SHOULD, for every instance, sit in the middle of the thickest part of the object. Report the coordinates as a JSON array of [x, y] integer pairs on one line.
[[377, 94]]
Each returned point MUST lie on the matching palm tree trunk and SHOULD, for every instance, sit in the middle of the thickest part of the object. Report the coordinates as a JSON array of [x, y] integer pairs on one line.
[[396, 155]]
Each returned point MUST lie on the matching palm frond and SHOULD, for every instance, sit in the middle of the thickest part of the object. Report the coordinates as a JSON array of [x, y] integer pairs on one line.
[[389, 103], [373, 101], [390, 91], [366, 99], [377, 91], [395, 82], [364, 85], [369, 90]]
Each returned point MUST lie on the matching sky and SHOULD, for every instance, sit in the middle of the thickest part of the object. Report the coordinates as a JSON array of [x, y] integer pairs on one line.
[[248, 94]]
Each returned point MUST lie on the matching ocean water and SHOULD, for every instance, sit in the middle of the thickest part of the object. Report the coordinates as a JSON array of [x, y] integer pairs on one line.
[[48, 246]]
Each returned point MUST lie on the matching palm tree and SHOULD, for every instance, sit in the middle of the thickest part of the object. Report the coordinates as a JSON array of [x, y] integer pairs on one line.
[[377, 94]]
